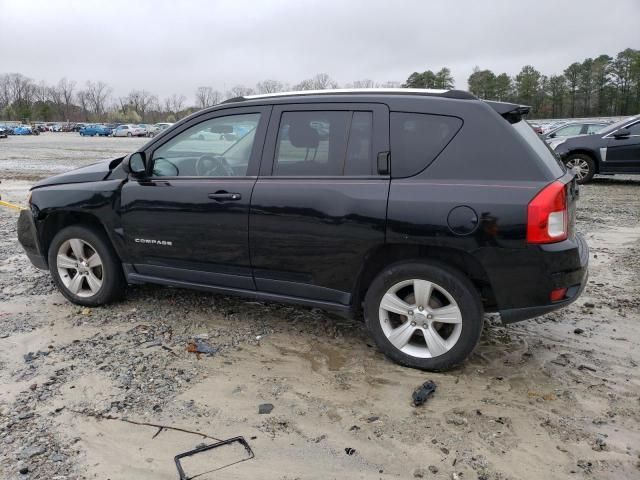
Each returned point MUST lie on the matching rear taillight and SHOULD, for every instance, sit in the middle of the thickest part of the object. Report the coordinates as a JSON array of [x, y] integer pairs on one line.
[[547, 215]]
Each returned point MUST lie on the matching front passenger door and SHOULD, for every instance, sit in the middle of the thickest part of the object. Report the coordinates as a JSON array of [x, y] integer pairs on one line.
[[623, 154]]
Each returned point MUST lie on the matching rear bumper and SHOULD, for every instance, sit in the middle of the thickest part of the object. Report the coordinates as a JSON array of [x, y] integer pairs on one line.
[[570, 253], [28, 238]]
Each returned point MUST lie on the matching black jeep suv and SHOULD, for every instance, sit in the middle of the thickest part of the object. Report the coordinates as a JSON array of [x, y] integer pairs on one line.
[[615, 149], [420, 209]]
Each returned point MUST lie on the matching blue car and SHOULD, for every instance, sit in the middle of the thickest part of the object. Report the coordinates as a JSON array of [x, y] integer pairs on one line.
[[95, 130], [22, 130]]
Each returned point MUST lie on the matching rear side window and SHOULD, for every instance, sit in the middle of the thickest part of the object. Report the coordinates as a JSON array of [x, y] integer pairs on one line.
[[417, 139], [324, 143]]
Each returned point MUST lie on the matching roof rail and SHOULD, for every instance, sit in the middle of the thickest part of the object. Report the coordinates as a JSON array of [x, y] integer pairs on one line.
[[457, 94]]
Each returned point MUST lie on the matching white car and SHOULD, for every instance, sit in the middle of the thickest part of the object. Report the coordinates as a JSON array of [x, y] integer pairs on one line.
[[129, 130], [153, 130]]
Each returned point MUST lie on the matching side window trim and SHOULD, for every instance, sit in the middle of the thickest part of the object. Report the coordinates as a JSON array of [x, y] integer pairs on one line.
[[380, 140], [258, 143]]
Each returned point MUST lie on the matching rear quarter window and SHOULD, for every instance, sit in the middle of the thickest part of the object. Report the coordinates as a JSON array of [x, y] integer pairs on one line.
[[417, 139]]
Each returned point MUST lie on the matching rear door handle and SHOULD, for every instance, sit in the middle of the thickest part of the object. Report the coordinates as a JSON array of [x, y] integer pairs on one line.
[[224, 196]]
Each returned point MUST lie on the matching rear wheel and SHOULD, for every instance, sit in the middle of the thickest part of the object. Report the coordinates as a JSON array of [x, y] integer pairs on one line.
[[424, 316], [128, 134], [583, 165], [84, 266]]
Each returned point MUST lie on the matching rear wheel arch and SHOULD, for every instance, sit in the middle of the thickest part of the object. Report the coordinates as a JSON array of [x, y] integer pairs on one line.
[[458, 260], [588, 153]]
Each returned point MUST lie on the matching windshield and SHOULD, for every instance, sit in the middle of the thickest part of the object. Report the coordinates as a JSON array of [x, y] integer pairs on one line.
[[617, 125]]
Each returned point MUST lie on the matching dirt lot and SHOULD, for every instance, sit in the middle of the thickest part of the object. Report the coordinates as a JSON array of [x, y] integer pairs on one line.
[[556, 397]]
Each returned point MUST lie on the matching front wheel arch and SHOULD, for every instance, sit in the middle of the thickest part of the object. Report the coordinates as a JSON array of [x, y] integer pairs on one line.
[[56, 221]]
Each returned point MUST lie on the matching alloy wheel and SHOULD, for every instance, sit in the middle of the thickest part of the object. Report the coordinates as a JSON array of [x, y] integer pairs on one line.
[[420, 318], [80, 267], [579, 166]]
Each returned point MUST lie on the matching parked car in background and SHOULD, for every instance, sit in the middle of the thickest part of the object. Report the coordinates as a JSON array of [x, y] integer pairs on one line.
[[54, 127], [572, 129], [614, 149], [4, 131], [23, 130], [369, 205], [157, 128], [95, 130], [129, 130], [144, 127], [536, 128]]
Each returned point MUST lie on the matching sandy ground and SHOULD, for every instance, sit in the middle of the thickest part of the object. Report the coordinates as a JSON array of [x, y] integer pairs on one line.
[[556, 397]]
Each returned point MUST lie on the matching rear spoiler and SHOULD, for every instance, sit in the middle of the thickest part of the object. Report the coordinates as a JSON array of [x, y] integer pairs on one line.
[[511, 112]]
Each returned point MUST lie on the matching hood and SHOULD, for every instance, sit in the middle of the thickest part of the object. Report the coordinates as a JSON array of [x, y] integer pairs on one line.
[[91, 173]]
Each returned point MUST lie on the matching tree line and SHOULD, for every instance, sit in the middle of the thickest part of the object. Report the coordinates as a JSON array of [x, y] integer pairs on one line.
[[598, 86], [21, 98]]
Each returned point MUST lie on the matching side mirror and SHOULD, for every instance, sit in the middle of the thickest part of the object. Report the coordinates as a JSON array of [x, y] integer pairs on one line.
[[135, 164], [552, 135], [620, 134]]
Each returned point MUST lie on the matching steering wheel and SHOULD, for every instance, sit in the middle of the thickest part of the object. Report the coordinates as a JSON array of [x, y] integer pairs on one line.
[[210, 166]]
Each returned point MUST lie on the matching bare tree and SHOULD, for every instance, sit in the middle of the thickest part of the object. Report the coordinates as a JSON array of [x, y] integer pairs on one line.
[[42, 92], [5, 96], [270, 86], [96, 96], [207, 97], [305, 85], [141, 101], [391, 84], [321, 81], [366, 83], [174, 104], [83, 102], [66, 89], [239, 91]]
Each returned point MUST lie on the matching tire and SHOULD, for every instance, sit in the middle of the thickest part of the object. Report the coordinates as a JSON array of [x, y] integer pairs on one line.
[[128, 134], [109, 273], [452, 340], [585, 164]]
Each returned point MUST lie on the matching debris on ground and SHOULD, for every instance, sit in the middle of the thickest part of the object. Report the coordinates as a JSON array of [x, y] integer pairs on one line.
[[200, 346], [423, 392], [265, 409], [206, 448], [350, 451]]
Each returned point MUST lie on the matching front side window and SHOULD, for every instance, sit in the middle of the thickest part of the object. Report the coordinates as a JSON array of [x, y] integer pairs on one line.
[[220, 147]]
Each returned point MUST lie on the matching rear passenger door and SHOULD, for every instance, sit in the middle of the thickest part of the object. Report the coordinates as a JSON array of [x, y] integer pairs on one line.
[[319, 205]]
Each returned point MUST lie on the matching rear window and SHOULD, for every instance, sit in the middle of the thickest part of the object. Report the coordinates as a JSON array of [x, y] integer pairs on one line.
[[417, 139], [539, 146]]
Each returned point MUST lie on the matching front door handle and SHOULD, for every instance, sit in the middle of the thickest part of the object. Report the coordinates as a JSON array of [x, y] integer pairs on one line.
[[224, 196]]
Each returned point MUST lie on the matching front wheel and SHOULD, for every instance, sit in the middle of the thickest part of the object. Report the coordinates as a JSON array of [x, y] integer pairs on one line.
[[424, 315], [583, 165], [84, 266]]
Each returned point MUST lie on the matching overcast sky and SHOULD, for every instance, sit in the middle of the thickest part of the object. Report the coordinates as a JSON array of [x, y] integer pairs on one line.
[[175, 46]]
